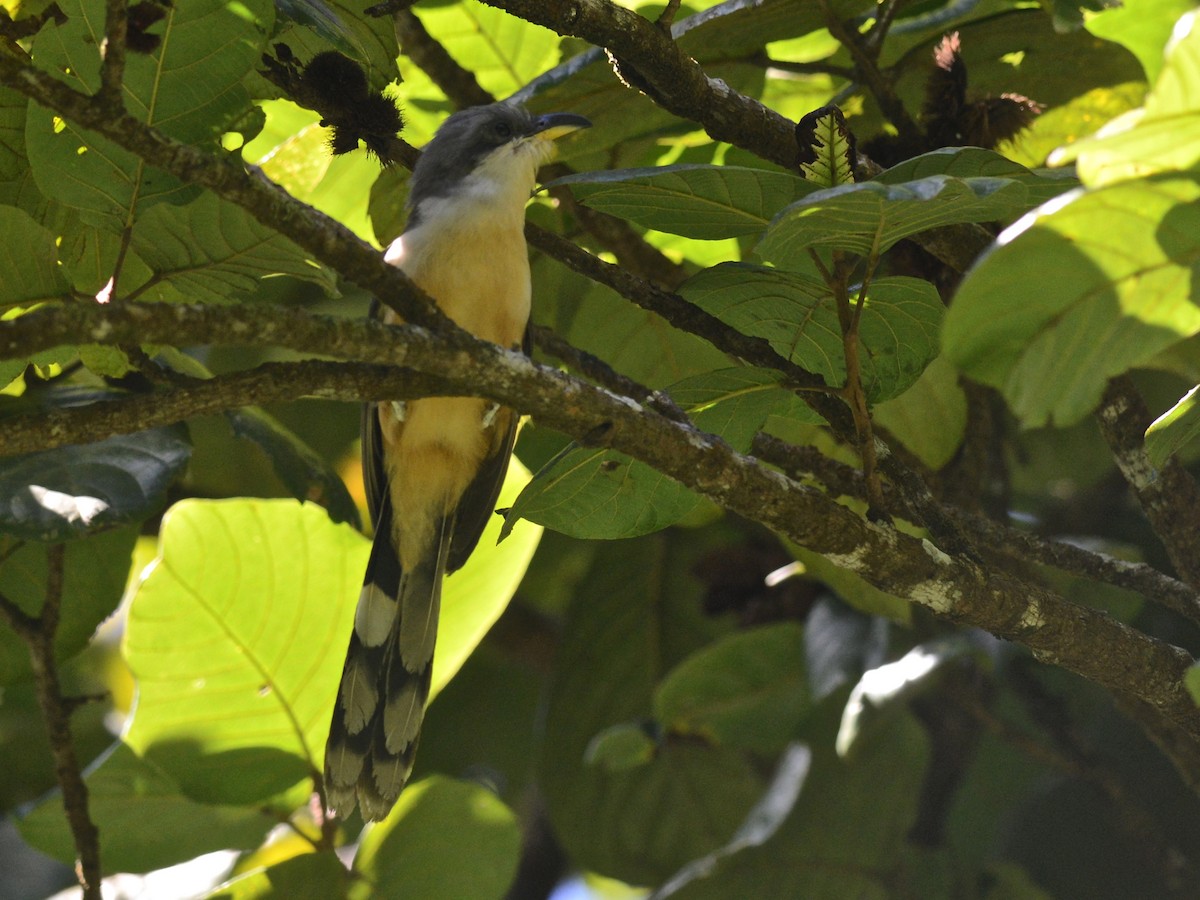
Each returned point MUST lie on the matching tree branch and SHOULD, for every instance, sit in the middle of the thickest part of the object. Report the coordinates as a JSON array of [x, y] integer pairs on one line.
[[38, 633], [1082, 640], [1168, 496]]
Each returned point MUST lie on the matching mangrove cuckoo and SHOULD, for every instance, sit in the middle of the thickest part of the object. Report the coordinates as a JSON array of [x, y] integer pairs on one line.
[[433, 467]]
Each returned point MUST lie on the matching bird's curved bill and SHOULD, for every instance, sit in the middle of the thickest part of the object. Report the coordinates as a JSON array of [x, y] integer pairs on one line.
[[552, 126]]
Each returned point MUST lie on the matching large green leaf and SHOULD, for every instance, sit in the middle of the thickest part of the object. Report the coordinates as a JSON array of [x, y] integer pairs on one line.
[[631, 620], [444, 840], [930, 418], [748, 689], [593, 493], [501, 50], [94, 575], [797, 314], [211, 251], [1165, 135], [703, 202], [67, 492], [343, 26], [237, 636], [190, 87], [869, 217], [145, 821], [1082, 291], [29, 269], [1142, 27]]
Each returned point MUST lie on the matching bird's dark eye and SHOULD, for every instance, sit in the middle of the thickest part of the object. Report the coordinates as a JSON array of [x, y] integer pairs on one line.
[[502, 130]]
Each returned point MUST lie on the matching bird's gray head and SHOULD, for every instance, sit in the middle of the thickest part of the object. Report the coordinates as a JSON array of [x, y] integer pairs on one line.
[[501, 141]]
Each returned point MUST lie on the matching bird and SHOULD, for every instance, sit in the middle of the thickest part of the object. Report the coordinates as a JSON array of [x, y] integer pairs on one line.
[[433, 467]]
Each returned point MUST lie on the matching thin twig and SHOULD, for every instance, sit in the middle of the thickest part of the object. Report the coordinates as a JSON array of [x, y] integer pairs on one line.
[[38, 633]]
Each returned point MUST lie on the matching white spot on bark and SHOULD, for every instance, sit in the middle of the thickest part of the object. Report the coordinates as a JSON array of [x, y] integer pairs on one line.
[[1033, 617], [934, 553]]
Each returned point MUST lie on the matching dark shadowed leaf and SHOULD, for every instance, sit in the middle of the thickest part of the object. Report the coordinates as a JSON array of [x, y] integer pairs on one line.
[[702, 202], [748, 689], [146, 822], [95, 571], [29, 269], [211, 251], [301, 469], [444, 840], [797, 314], [68, 492]]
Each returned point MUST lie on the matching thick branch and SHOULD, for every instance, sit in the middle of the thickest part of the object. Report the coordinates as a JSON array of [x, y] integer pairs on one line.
[[1169, 496], [1079, 639], [268, 383], [677, 81]]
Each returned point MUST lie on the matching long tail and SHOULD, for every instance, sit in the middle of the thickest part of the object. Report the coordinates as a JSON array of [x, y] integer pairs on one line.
[[385, 682]]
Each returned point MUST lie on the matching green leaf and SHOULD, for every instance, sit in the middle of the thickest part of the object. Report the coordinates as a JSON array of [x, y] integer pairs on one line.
[[869, 217], [236, 638], [474, 597], [301, 469], [1113, 270], [94, 575], [975, 162], [748, 690], [842, 837], [1191, 680], [443, 840], [340, 25], [797, 315], [144, 820], [67, 492], [638, 343], [1143, 28], [212, 251], [1175, 428], [1165, 135], [29, 269], [824, 132], [502, 51], [190, 87], [632, 619], [930, 418], [623, 746], [702, 202], [319, 874], [261, 638], [592, 493]]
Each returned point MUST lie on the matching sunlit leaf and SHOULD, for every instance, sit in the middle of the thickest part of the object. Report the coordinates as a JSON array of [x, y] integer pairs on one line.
[[309, 874], [236, 639], [1143, 28], [1165, 135], [1114, 287], [190, 87], [1175, 428], [444, 840]]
